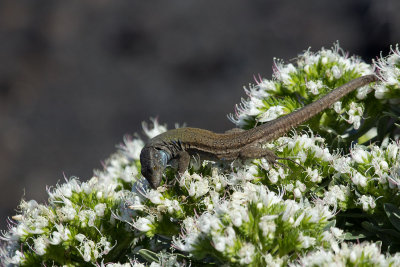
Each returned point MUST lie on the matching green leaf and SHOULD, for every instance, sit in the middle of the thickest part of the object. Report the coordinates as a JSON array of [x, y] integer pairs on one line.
[[329, 225], [354, 236], [381, 127], [148, 255], [389, 233], [352, 215], [393, 214]]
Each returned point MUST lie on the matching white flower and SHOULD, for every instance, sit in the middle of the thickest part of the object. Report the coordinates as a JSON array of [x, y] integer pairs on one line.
[[315, 177], [297, 193], [143, 224], [338, 233], [367, 202], [341, 164], [99, 209], [359, 179], [170, 206], [135, 264], [336, 192], [230, 236], [219, 242], [341, 62], [306, 241], [66, 213], [318, 213], [325, 155], [154, 196], [40, 245], [355, 112], [65, 190], [304, 141], [62, 234], [362, 92], [253, 107], [299, 219], [314, 86], [289, 187], [89, 186], [337, 107], [80, 237], [267, 225], [198, 188], [392, 150], [88, 215], [337, 73], [86, 249], [132, 148], [266, 85], [189, 240], [236, 218], [384, 165], [364, 254], [38, 223], [307, 69], [381, 91], [302, 156], [283, 72], [274, 175], [359, 154], [291, 208], [246, 253], [55, 238], [208, 222], [357, 122], [156, 130], [389, 73], [18, 258], [301, 186], [271, 114]]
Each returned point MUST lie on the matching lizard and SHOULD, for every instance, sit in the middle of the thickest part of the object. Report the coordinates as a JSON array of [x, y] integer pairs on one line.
[[182, 143]]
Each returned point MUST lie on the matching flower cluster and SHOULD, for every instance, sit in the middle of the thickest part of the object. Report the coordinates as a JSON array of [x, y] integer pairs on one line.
[[314, 75], [367, 175], [389, 72], [308, 164], [365, 254], [79, 224], [254, 226]]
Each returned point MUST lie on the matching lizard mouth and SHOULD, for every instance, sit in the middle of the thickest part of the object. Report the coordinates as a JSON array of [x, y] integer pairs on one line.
[[155, 180]]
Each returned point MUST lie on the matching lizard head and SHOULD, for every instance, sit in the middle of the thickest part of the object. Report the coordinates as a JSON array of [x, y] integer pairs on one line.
[[153, 163]]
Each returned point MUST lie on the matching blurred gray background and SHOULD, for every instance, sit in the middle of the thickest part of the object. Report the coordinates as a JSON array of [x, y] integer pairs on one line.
[[76, 76]]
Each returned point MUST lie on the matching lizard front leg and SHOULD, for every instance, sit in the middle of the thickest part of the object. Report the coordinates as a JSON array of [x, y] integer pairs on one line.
[[180, 162], [183, 158]]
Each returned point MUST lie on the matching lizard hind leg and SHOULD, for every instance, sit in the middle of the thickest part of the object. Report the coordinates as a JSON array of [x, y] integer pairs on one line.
[[291, 160], [257, 150]]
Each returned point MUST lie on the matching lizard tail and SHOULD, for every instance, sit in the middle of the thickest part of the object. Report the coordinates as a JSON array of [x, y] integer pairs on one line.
[[276, 128]]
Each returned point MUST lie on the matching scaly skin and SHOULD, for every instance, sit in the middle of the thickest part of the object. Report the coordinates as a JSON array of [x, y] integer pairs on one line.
[[180, 144]]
